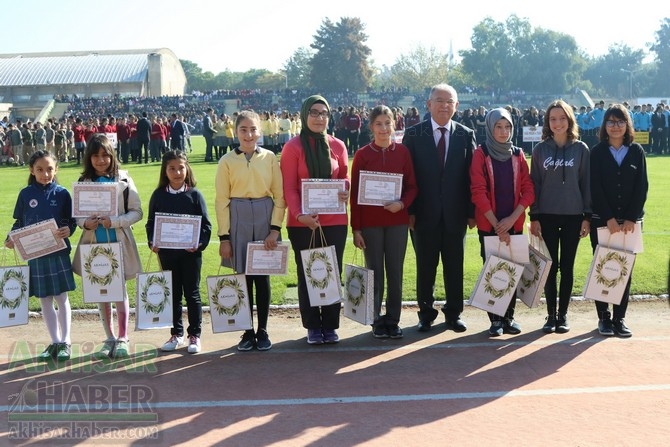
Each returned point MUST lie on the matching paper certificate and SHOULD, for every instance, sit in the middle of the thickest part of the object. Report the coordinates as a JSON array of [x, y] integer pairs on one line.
[[267, 262], [94, 199], [378, 188], [319, 196], [37, 240], [179, 231]]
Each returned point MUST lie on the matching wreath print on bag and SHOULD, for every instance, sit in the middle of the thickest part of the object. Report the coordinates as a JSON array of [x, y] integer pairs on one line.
[[161, 282], [622, 264], [7, 282], [237, 296], [318, 262], [355, 281], [488, 280], [91, 275]]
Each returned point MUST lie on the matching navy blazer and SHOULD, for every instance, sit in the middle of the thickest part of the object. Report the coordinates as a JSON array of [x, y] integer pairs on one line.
[[442, 192]]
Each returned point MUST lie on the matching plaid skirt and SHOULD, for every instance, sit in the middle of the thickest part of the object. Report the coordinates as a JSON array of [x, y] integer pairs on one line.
[[51, 275]]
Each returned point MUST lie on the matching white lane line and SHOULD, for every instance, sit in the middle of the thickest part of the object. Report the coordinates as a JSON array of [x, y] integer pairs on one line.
[[355, 399]]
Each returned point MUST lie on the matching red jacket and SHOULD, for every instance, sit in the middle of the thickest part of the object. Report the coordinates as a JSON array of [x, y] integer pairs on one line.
[[482, 187]]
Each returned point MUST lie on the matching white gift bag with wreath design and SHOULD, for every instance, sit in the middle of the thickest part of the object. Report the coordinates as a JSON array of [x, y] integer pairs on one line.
[[359, 293], [496, 285], [322, 273], [229, 303], [102, 275], [535, 273], [153, 299], [14, 293], [609, 273]]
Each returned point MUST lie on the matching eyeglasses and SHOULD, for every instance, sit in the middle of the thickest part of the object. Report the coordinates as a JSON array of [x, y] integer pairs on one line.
[[316, 114], [618, 123]]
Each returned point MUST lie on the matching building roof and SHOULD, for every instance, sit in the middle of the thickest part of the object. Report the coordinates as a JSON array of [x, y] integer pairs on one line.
[[73, 68]]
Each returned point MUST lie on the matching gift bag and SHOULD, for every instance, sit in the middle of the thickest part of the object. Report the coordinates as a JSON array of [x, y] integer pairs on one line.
[[102, 276], [535, 272], [496, 285], [153, 299], [359, 293], [229, 306], [322, 273], [14, 293], [516, 251], [609, 273], [623, 241]]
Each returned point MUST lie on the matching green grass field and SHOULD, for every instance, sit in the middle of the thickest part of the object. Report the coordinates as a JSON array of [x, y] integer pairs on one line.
[[651, 267]]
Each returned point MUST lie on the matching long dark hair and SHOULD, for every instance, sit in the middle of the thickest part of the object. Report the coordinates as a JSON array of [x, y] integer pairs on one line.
[[619, 112], [95, 143], [37, 155], [163, 180]]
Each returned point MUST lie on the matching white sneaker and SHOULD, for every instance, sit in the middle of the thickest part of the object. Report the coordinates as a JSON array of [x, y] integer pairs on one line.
[[193, 344], [173, 343]]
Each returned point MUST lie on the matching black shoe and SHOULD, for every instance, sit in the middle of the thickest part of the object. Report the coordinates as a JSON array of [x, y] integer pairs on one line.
[[496, 329], [379, 331], [511, 327], [394, 331], [248, 341], [424, 325], [621, 329], [562, 325], [263, 342], [457, 325], [549, 325], [605, 327]]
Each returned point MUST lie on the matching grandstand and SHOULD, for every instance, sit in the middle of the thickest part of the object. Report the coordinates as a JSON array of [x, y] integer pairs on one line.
[[29, 82]]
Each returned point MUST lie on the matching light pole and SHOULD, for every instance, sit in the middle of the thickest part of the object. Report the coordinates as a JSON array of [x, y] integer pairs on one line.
[[285, 80], [630, 78]]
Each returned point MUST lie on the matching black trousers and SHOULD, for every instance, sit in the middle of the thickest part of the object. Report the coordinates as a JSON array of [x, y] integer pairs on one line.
[[185, 284], [321, 317]]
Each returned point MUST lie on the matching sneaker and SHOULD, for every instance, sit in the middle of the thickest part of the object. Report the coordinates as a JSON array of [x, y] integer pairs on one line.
[[496, 329], [247, 342], [48, 354], [605, 327], [395, 331], [550, 324], [263, 342], [193, 344], [107, 350], [314, 337], [380, 331], [63, 352], [330, 336], [173, 343], [121, 349], [562, 325], [621, 329], [511, 327]]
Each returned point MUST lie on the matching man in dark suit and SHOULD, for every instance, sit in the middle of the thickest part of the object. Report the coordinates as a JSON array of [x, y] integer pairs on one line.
[[208, 132], [177, 133], [143, 137], [441, 150]]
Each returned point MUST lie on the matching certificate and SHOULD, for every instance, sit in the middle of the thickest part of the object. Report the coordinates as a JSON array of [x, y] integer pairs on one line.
[[378, 188], [94, 199], [267, 262], [319, 196], [180, 231], [37, 240]]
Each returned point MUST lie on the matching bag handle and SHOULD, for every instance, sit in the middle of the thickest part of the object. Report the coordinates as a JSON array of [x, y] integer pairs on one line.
[[511, 252], [4, 256], [312, 239], [151, 253], [354, 256]]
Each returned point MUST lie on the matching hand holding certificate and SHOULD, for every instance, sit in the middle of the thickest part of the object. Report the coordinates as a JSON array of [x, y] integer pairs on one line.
[[322, 196], [40, 239], [177, 231], [94, 199], [379, 188]]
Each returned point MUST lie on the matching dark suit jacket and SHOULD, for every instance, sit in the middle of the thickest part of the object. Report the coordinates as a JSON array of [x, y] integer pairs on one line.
[[442, 192], [143, 129], [207, 128], [177, 130]]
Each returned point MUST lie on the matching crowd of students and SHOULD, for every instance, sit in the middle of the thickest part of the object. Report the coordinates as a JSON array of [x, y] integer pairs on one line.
[[452, 180]]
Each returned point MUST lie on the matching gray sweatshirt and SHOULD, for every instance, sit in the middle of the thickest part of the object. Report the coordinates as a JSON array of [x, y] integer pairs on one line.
[[562, 179]]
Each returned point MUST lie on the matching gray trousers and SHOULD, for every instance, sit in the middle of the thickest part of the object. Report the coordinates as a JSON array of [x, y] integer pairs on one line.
[[385, 249]]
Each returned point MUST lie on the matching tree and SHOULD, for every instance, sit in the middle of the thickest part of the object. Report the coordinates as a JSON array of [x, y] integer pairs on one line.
[[297, 68], [422, 67], [611, 73], [662, 49], [341, 57]]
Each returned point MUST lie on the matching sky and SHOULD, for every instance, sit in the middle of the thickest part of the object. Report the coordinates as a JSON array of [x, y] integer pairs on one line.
[[240, 35]]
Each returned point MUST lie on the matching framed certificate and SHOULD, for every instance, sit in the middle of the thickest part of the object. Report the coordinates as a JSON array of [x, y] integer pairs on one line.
[[267, 262], [378, 188], [37, 240], [92, 198], [319, 196], [179, 231]]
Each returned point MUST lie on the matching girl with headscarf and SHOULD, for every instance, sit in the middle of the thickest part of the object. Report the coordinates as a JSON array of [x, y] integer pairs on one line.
[[501, 190], [314, 154]]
